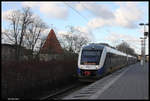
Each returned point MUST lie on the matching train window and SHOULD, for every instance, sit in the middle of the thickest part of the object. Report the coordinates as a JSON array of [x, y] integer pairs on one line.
[[112, 56], [91, 52], [91, 57]]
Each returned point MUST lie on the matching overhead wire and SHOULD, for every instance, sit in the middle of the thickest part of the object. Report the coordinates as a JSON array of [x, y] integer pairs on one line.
[[85, 18], [76, 11]]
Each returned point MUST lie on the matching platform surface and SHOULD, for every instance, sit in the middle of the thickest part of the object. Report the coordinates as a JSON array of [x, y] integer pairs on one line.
[[130, 82]]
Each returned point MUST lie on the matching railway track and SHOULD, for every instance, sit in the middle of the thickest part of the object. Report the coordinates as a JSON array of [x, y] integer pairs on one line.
[[76, 86], [65, 91]]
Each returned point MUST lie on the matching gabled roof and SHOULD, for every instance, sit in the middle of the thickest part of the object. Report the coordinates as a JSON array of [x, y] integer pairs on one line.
[[51, 44]]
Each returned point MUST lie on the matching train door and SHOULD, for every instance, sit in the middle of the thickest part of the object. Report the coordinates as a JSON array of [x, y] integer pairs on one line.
[[107, 63]]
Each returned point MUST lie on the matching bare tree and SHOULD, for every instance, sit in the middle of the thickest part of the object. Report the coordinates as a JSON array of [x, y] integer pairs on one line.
[[34, 32], [26, 19], [41, 42], [79, 42], [124, 47], [13, 32], [73, 41], [25, 29]]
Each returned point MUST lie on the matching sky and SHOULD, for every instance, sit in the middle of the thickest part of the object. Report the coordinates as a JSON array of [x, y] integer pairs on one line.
[[106, 22]]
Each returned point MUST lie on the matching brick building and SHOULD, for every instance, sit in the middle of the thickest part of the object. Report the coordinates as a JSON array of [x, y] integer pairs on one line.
[[51, 48]]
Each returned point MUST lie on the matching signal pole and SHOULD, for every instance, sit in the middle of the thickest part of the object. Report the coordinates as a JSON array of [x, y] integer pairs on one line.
[[143, 44], [142, 51]]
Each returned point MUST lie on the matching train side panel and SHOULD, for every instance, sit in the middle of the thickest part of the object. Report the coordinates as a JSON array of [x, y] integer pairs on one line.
[[110, 61]]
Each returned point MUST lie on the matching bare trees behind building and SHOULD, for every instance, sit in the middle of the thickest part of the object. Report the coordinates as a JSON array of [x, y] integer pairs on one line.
[[73, 41], [25, 29]]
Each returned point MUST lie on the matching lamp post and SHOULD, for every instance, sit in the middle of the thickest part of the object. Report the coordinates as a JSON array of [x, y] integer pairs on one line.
[[143, 44], [142, 50]]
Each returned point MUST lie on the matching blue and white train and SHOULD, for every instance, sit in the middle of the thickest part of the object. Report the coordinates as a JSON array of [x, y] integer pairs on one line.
[[96, 60]]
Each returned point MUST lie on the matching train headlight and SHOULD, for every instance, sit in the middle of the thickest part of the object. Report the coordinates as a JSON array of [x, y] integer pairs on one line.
[[81, 66], [96, 67]]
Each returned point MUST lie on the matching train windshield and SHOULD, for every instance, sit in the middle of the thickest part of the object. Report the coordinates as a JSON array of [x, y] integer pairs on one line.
[[90, 57]]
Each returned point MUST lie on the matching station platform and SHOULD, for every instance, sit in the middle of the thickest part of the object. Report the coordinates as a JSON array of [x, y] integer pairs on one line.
[[131, 82]]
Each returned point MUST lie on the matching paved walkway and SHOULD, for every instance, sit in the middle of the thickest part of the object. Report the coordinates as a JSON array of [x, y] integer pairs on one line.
[[132, 85], [128, 83]]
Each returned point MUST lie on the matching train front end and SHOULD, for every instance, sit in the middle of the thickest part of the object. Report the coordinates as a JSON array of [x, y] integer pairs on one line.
[[90, 66]]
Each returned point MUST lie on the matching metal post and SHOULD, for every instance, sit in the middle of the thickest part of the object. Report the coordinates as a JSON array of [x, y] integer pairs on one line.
[[141, 51], [144, 47]]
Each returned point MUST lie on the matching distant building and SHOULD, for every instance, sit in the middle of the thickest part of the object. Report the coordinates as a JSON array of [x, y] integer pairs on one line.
[[51, 48], [139, 57], [146, 58], [8, 52]]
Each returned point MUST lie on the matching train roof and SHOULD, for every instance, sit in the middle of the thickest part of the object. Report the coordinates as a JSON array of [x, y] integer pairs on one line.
[[101, 46], [93, 46], [108, 49]]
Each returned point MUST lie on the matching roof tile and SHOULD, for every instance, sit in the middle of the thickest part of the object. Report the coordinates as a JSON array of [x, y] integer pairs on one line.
[[51, 44]]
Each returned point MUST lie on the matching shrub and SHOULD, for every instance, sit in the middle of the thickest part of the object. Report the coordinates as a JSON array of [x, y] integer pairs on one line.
[[21, 79]]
